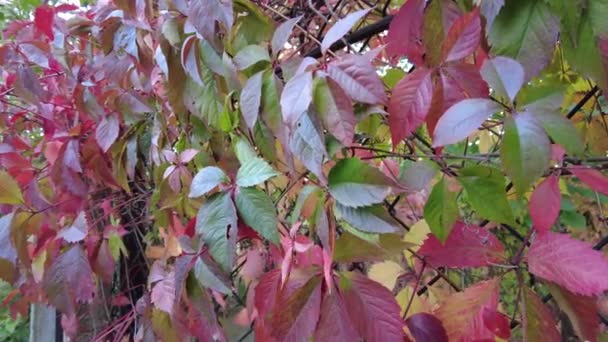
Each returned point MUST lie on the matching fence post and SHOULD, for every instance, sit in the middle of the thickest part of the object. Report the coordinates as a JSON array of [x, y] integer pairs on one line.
[[42, 323]]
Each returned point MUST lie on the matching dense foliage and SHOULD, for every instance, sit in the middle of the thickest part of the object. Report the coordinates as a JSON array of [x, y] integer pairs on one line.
[[288, 170]]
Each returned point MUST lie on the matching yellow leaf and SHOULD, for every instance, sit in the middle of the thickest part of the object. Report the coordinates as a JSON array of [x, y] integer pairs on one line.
[[417, 234], [38, 266], [419, 304], [386, 273], [10, 193], [596, 135], [487, 141]]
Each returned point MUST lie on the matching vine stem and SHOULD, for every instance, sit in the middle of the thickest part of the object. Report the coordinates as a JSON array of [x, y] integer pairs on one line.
[[411, 300]]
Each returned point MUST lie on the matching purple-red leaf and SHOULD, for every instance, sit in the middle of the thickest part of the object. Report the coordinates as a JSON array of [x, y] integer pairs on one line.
[[358, 77], [581, 310], [163, 293], [251, 98], [71, 155], [204, 14], [405, 32], [44, 18], [372, 308], [568, 262], [296, 97], [335, 324], [341, 27], [545, 203], [538, 321], [335, 109], [27, 85], [282, 33], [410, 103], [504, 75], [295, 317], [70, 278], [425, 327], [466, 246], [497, 323], [462, 313], [107, 131], [463, 37], [594, 179], [462, 119], [191, 59]]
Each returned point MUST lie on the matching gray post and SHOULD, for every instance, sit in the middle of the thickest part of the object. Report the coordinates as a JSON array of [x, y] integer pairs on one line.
[[42, 323]]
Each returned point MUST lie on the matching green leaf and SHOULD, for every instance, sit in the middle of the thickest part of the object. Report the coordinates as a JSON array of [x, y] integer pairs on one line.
[[254, 171], [372, 219], [205, 180], [598, 12], [485, 189], [258, 211], [208, 277], [573, 220], [526, 31], [250, 55], [10, 193], [562, 131], [217, 223], [441, 210], [350, 248], [525, 151], [244, 152], [354, 183]]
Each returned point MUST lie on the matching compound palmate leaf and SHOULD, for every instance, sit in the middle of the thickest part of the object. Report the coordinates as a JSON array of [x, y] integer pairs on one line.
[[568, 262], [257, 211], [354, 183]]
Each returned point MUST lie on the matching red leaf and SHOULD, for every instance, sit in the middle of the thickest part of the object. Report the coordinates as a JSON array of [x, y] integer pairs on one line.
[[568, 262], [69, 280], [463, 37], [410, 103], [44, 18], [334, 323], [582, 312], [545, 203], [466, 246], [295, 317], [496, 322], [462, 119], [425, 327], [27, 85], [458, 81], [539, 323], [107, 131], [462, 313], [594, 179], [405, 32], [358, 78], [296, 97], [372, 308], [66, 8], [341, 27]]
